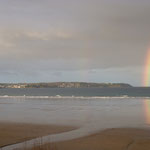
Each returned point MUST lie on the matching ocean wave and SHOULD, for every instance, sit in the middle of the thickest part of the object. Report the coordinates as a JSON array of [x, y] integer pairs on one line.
[[72, 97]]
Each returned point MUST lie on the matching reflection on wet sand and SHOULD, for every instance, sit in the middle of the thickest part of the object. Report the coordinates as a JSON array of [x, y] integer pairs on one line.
[[92, 115], [147, 110]]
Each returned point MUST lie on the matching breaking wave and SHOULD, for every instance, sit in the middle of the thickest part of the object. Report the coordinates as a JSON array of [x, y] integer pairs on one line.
[[70, 97]]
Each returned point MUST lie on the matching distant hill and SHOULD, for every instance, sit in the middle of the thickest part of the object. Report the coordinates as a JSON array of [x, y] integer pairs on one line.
[[65, 85]]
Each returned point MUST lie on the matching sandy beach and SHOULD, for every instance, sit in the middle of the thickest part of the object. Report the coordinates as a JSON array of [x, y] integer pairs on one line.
[[18, 132], [110, 139], [97, 124]]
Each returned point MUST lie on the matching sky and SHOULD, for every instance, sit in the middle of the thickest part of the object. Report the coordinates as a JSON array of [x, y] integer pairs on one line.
[[74, 40]]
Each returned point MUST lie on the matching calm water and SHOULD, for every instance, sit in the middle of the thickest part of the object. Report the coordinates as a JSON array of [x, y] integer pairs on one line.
[[73, 111], [131, 92], [86, 109]]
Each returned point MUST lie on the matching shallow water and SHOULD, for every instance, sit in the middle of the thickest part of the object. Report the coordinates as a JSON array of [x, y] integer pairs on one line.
[[72, 111], [89, 114]]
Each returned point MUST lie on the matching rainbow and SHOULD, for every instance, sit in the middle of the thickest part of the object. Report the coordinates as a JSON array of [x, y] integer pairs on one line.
[[146, 81], [147, 111]]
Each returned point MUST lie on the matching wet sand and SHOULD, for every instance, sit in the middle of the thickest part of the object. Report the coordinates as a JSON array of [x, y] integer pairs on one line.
[[110, 139], [18, 132], [91, 115]]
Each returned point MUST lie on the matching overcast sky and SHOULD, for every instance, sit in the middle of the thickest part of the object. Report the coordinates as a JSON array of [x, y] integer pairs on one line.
[[74, 40]]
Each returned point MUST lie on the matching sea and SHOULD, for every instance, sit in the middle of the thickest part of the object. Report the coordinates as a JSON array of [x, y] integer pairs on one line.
[[78, 92], [89, 109]]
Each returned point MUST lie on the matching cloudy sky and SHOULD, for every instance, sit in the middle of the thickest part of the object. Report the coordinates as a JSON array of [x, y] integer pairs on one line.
[[74, 40]]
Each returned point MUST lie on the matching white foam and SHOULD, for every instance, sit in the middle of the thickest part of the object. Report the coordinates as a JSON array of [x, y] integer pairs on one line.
[[72, 97]]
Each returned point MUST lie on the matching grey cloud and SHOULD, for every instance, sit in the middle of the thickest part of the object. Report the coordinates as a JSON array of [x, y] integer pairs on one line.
[[57, 74], [36, 35]]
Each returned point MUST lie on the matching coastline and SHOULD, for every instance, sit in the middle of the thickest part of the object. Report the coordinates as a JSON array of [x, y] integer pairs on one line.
[[101, 116]]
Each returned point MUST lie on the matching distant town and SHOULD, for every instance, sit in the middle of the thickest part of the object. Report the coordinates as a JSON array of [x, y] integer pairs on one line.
[[64, 85]]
